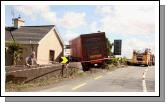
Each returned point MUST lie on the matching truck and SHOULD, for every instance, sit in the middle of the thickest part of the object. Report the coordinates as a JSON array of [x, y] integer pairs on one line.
[[89, 49], [143, 58]]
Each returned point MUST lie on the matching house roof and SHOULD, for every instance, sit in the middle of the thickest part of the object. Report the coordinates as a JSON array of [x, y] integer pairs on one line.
[[25, 34]]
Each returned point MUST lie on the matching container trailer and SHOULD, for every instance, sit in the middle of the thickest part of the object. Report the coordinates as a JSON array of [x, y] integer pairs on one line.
[[89, 49]]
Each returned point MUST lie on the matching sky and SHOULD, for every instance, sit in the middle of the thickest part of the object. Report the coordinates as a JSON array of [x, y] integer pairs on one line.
[[133, 24]]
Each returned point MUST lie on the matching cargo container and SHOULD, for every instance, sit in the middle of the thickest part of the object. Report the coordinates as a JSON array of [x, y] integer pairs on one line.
[[89, 49]]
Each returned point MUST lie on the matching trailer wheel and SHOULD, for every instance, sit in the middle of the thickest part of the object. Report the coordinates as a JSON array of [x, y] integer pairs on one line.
[[86, 66]]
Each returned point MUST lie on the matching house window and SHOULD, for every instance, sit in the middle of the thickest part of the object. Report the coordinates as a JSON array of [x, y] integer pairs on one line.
[[51, 55]]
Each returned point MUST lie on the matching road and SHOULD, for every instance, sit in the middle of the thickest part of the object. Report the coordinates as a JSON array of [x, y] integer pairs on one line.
[[127, 79]]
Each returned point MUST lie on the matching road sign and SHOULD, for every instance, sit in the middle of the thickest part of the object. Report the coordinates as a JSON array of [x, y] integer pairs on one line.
[[117, 47], [64, 60]]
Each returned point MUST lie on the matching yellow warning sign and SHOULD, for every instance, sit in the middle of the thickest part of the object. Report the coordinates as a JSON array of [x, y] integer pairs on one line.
[[65, 60]]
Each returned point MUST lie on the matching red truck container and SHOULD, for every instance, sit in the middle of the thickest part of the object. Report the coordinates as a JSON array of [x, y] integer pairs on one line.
[[89, 49]]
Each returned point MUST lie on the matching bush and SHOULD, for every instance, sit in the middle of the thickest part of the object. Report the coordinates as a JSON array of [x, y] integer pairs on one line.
[[15, 50], [109, 62], [117, 60]]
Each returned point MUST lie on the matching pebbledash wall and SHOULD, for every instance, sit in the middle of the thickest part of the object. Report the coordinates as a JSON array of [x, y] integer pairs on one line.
[[49, 42]]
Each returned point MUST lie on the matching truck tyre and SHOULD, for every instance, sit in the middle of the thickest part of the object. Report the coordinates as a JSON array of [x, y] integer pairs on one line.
[[86, 66]]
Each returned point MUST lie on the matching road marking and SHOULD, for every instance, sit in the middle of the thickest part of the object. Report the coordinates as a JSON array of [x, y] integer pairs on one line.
[[144, 86], [78, 86], [143, 81], [109, 73], [98, 77]]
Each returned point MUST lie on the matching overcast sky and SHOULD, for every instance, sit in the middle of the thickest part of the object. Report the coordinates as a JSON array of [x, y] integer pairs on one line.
[[134, 24]]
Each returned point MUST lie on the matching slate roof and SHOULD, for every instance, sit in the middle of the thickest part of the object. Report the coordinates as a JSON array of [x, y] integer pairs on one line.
[[24, 34]]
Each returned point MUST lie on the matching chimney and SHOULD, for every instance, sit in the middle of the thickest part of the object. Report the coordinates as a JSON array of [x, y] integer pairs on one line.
[[18, 22]]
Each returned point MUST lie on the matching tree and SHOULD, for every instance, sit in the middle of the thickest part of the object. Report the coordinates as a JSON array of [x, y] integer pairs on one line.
[[15, 50], [109, 47]]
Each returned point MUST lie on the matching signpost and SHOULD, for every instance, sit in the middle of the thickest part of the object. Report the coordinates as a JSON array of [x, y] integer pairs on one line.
[[64, 61], [117, 47]]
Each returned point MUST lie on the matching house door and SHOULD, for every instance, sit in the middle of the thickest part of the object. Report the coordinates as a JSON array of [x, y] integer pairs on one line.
[[51, 55]]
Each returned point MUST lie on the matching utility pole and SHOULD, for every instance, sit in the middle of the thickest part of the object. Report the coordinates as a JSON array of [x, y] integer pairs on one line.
[[32, 48], [13, 16], [10, 29]]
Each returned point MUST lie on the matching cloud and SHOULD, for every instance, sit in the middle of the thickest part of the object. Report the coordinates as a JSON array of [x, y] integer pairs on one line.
[[37, 11], [132, 21], [129, 45], [105, 9], [94, 27], [72, 20], [69, 35], [127, 20]]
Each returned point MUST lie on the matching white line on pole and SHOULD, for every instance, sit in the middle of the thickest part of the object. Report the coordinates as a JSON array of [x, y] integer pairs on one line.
[[28, 69]]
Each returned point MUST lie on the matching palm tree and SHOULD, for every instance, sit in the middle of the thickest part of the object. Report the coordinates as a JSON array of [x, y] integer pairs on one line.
[[15, 51]]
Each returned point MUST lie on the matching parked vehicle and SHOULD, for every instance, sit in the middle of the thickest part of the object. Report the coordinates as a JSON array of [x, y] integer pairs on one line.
[[89, 49], [143, 58]]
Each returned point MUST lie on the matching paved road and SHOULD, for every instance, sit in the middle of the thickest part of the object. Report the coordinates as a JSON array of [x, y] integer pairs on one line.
[[127, 79]]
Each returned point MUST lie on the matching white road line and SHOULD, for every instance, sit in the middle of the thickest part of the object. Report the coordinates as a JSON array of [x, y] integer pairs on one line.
[[109, 73], [143, 80], [78, 86], [98, 77], [144, 85]]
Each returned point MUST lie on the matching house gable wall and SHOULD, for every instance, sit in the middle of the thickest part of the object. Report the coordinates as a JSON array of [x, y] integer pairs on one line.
[[49, 42]]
